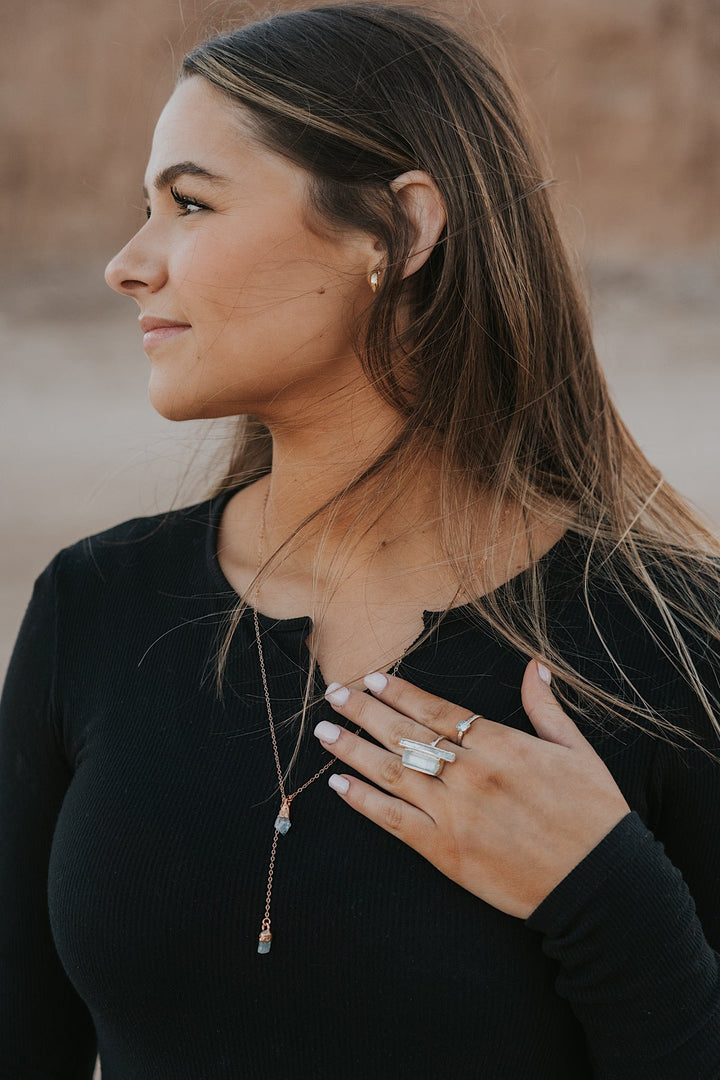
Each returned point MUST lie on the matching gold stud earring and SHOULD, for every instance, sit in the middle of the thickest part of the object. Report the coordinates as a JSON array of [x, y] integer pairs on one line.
[[374, 279]]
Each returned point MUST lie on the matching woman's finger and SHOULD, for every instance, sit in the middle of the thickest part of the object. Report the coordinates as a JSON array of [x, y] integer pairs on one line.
[[384, 722], [545, 712], [380, 766], [433, 712], [409, 823]]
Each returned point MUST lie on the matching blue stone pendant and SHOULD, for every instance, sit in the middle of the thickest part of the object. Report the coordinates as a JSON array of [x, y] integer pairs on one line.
[[264, 941], [282, 821]]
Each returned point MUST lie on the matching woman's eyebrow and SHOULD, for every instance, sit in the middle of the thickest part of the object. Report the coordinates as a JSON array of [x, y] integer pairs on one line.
[[171, 173]]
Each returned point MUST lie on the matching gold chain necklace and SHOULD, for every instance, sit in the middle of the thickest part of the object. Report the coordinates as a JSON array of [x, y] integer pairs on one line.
[[282, 821], [282, 824]]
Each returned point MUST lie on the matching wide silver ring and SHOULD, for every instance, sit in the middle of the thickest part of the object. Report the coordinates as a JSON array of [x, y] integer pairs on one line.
[[463, 725], [426, 758]]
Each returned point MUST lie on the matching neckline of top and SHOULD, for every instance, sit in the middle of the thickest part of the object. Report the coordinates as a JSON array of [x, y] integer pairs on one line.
[[300, 622]]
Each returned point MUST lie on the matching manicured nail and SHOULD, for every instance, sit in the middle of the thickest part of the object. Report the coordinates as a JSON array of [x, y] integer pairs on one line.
[[326, 731], [543, 673], [375, 682], [337, 694], [339, 784]]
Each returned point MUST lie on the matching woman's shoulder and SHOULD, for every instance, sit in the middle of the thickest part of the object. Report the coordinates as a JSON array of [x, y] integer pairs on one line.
[[148, 551], [651, 639]]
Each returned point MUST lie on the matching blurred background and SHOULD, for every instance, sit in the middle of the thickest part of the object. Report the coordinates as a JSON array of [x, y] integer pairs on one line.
[[627, 95]]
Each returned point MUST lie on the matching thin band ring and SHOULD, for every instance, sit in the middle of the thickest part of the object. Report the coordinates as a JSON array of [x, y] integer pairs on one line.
[[463, 725]]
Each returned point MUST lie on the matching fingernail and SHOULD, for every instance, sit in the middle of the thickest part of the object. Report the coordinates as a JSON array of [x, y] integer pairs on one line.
[[337, 694], [339, 783], [375, 682], [326, 731], [543, 673]]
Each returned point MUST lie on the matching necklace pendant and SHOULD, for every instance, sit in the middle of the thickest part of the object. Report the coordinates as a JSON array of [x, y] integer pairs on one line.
[[282, 821], [264, 941]]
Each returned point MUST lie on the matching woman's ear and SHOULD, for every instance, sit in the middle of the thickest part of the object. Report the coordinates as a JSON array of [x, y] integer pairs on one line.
[[424, 207]]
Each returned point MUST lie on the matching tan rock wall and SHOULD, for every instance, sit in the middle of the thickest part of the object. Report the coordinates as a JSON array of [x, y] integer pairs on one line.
[[627, 90]]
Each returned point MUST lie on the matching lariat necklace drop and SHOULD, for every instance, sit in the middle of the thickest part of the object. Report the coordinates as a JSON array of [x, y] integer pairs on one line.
[[282, 821]]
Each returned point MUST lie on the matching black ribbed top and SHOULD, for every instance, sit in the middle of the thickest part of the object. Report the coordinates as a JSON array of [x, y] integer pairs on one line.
[[136, 820]]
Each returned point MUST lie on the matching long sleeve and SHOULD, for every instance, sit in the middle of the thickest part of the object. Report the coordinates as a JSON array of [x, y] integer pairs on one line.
[[45, 1029], [635, 928]]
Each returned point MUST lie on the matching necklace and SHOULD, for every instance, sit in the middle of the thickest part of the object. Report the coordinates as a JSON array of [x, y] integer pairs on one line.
[[282, 821]]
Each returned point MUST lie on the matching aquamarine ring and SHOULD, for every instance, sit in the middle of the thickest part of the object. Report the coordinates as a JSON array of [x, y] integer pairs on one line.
[[462, 727], [426, 758]]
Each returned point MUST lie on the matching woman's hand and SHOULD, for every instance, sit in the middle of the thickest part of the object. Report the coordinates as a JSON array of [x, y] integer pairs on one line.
[[509, 818]]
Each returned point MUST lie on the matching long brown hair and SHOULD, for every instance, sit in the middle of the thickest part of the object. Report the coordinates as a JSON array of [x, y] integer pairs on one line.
[[495, 367]]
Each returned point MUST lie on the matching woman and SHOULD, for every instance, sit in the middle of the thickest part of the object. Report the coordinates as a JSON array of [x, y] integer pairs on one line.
[[439, 576]]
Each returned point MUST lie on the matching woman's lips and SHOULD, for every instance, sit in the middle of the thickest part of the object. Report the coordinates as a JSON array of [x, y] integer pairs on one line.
[[162, 333], [152, 337]]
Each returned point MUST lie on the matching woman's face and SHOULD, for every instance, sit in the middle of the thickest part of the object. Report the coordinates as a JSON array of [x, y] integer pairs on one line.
[[265, 304]]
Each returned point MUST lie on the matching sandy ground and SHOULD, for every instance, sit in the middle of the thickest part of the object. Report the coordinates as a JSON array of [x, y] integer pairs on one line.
[[82, 448]]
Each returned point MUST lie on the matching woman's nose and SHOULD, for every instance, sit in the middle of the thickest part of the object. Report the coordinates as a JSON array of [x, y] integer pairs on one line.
[[134, 270]]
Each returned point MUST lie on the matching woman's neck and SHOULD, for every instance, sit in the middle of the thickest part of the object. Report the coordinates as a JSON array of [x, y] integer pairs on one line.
[[318, 451], [383, 544], [370, 570], [374, 541], [392, 520]]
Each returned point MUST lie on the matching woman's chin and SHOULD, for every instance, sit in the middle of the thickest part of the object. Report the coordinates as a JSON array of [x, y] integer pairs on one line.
[[176, 403], [171, 403]]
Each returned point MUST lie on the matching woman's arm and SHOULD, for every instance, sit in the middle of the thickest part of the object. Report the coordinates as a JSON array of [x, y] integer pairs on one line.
[[634, 962], [636, 926], [45, 1028], [506, 820]]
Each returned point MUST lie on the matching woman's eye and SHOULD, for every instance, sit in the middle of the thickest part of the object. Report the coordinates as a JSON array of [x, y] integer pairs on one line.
[[189, 206]]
